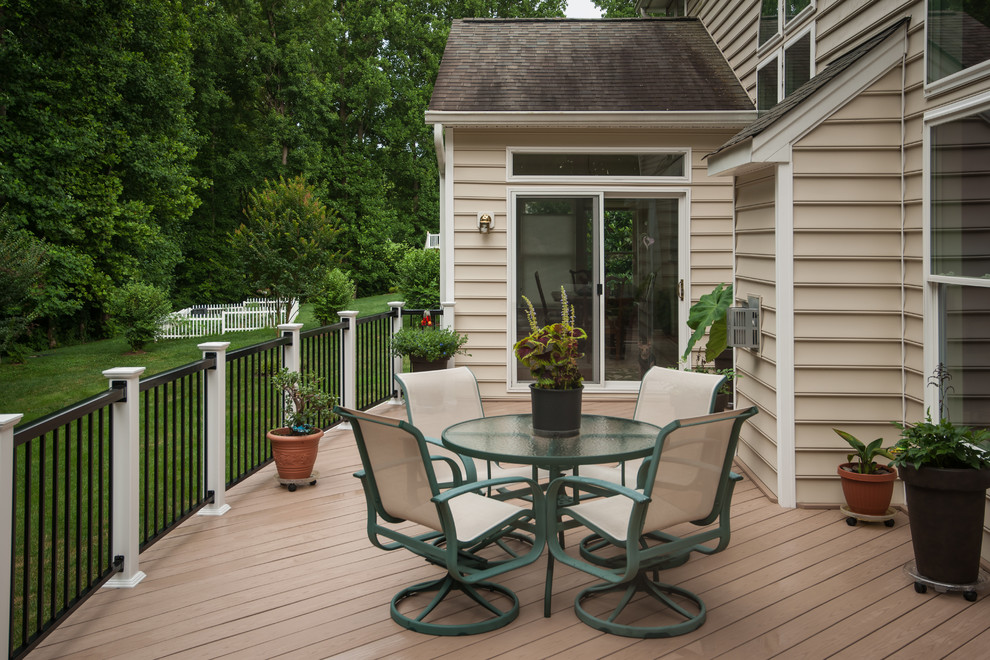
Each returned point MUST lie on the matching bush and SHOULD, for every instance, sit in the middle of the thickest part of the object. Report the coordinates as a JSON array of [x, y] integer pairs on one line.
[[419, 279], [334, 292], [375, 266], [138, 311], [428, 343]]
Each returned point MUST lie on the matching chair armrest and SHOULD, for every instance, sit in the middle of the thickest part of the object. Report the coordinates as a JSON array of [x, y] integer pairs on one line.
[[470, 471], [474, 486], [599, 484]]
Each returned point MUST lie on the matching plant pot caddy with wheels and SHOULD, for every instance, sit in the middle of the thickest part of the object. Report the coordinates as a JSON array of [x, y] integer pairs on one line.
[[867, 486], [295, 446]]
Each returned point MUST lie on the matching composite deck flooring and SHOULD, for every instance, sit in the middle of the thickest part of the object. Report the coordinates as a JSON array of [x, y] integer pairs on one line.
[[293, 575]]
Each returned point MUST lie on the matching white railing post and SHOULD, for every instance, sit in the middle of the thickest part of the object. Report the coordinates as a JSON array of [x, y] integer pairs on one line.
[[396, 307], [125, 540], [216, 427], [291, 355], [448, 323], [7, 424], [349, 356]]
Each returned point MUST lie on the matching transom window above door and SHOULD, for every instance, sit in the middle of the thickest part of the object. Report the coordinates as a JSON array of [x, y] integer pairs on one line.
[[556, 164]]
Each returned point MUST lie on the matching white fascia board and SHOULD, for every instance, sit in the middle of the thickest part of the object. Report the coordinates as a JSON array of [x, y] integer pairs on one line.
[[773, 144], [701, 119], [733, 160]]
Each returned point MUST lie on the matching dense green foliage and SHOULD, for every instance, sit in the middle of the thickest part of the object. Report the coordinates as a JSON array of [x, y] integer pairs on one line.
[[133, 131], [138, 311], [334, 292], [22, 266], [419, 279], [429, 343]]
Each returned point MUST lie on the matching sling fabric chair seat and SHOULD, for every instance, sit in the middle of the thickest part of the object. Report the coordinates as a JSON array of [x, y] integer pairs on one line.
[[687, 479], [442, 398], [664, 395], [400, 485]]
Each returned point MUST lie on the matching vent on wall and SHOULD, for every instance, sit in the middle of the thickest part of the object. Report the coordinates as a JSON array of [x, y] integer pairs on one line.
[[743, 325]]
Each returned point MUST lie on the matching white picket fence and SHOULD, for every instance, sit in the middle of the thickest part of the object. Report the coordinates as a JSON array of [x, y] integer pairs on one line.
[[204, 320]]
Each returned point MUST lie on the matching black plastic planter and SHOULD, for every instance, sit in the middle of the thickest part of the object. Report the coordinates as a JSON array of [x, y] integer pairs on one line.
[[556, 413], [946, 508]]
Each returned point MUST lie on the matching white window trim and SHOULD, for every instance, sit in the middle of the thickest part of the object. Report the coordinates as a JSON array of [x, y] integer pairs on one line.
[[778, 53], [600, 192], [784, 27], [597, 180], [953, 81], [947, 113]]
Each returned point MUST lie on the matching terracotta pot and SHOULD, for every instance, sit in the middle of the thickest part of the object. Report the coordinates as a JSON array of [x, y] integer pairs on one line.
[[556, 412], [946, 508], [422, 364], [867, 494], [295, 455]]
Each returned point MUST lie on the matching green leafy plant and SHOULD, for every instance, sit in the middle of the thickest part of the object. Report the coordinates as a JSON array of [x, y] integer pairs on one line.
[[864, 455], [941, 444], [305, 400], [710, 312], [428, 343], [334, 292], [551, 352], [139, 311], [419, 279]]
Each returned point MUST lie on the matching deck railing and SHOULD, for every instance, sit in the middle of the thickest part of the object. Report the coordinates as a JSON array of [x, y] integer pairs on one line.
[[84, 490]]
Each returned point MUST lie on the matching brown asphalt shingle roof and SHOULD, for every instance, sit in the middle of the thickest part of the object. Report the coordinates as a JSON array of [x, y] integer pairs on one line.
[[555, 65]]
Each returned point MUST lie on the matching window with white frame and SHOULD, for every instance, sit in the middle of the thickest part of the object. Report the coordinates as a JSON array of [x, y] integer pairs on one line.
[[771, 11], [959, 258], [546, 164], [958, 36], [789, 67]]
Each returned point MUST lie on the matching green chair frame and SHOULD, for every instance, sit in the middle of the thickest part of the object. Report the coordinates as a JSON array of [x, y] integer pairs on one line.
[[381, 442], [646, 549]]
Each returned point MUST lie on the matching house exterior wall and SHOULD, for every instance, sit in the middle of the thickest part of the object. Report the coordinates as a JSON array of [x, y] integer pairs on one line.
[[755, 264], [482, 261], [862, 347]]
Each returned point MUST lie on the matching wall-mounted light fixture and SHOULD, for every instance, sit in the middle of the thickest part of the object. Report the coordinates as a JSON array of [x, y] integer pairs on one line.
[[486, 221]]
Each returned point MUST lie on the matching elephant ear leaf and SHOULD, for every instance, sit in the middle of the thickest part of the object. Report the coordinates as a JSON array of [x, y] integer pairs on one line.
[[710, 311]]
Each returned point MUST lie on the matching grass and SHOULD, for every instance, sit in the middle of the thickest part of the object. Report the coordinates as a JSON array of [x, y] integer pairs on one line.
[[51, 380]]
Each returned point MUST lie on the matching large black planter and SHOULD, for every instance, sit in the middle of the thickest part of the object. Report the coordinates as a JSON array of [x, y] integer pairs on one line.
[[945, 508], [556, 413]]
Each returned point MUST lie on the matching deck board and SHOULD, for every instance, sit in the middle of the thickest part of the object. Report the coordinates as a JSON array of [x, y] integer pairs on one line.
[[293, 575]]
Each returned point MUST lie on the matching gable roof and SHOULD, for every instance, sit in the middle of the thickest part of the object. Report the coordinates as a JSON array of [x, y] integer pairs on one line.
[[833, 70], [566, 65]]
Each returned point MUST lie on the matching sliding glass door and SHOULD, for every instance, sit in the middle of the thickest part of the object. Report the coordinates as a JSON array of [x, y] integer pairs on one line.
[[617, 259]]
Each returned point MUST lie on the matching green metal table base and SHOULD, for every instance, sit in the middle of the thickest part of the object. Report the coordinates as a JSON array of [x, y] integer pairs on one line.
[[693, 616], [443, 587]]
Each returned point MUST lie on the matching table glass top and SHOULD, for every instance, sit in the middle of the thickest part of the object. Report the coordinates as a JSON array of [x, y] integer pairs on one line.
[[510, 438]]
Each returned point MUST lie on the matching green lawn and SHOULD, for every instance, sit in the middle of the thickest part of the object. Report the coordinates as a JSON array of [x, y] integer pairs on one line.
[[51, 380]]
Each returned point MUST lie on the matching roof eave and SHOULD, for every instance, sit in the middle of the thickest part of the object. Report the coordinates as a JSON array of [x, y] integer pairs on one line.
[[728, 119]]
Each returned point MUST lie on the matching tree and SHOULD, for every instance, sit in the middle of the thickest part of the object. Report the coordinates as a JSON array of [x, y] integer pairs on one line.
[[138, 311], [22, 268], [288, 242]]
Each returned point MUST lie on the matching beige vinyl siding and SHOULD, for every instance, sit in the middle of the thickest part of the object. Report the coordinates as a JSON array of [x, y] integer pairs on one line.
[[847, 284], [481, 262], [733, 24], [755, 254]]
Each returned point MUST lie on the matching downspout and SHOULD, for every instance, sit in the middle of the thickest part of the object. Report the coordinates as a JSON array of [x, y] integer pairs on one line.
[[903, 236]]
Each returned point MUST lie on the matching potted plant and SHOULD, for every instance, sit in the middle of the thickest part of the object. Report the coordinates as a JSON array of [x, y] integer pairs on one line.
[[946, 471], [428, 347], [866, 485], [296, 444], [551, 354], [709, 315]]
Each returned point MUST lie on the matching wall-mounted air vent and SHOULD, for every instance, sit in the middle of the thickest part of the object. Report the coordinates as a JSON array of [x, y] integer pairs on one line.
[[744, 325]]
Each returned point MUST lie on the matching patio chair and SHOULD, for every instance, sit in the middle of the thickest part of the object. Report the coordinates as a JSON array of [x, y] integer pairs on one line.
[[664, 395], [400, 487], [438, 399], [687, 480]]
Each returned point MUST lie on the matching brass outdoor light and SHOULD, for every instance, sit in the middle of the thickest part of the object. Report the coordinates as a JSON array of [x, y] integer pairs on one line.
[[485, 222]]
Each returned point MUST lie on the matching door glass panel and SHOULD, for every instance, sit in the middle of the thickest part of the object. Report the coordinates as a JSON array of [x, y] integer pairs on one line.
[[555, 246], [641, 278]]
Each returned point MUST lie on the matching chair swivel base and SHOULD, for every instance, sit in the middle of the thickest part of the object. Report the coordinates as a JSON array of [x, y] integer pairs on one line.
[[692, 613], [443, 587]]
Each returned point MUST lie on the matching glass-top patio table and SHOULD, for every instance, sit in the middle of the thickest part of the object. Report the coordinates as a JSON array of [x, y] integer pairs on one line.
[[510, 439]]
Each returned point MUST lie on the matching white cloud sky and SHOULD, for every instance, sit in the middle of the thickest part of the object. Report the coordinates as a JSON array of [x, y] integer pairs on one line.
[[582, 9]]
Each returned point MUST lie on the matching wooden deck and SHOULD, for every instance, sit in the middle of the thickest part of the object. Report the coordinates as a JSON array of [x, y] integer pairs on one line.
[[293, 574]]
